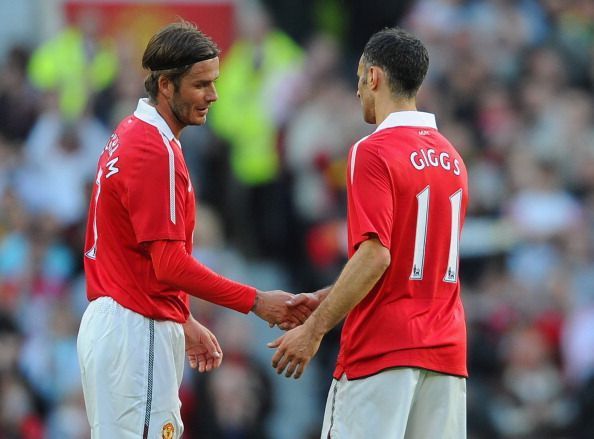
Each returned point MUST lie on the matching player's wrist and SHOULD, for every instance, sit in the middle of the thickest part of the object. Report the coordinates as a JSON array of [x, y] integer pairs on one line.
[[315, 327], [189, 322], [257, 302]]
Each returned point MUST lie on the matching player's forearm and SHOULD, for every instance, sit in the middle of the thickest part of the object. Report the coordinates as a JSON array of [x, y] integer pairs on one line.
[[175, 267], [358, 277]]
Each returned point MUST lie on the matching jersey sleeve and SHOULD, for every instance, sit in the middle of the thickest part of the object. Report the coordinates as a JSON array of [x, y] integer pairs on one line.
[[156, 193], [177, 268], [370, 196]]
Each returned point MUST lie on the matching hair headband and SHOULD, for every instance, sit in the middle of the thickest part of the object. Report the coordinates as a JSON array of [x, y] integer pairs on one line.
[[183, 62]]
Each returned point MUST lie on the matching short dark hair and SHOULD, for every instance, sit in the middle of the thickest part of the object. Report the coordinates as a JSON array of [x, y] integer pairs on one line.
[[172, 51], [402, 56]]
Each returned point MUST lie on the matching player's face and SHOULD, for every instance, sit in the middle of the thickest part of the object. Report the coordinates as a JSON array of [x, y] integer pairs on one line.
[[364, 94], [196, 93]]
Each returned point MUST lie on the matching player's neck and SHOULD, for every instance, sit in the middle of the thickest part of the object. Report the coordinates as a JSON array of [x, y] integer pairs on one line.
[[387, 106], [172, 121]]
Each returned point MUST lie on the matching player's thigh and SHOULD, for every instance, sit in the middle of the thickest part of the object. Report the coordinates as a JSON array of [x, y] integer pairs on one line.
[[114, 348], [131, 371], [376, 406], [439, 410]]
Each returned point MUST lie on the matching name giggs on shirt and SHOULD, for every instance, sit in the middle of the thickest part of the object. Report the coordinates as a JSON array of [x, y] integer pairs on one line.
[[428, 157]]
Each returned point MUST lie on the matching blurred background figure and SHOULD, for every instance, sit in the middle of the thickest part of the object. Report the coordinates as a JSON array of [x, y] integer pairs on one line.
[[75, 65], [513, 85], [251, 74]]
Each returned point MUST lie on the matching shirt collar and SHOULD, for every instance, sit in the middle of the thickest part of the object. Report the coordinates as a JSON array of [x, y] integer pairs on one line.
[[149, 114], [408, 119]]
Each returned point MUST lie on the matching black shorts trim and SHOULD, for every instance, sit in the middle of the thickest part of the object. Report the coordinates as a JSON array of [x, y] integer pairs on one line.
[[149, 391]]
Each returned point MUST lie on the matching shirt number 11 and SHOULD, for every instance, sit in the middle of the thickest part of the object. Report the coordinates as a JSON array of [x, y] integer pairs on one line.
[[451, 273]]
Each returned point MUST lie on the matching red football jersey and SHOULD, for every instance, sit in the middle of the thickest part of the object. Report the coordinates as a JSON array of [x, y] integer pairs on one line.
[[407, 185], [142, 193]]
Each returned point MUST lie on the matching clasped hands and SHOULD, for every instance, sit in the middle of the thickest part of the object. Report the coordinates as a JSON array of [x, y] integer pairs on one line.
[[281, 308], [296, 348]]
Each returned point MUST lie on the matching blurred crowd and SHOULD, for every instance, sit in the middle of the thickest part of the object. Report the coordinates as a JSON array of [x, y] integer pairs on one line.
[[512, 85]]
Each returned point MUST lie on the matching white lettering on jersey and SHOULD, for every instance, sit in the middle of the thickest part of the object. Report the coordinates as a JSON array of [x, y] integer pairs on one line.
[[431, 157], [111, 167], [419, 164], [112, 144], [456, 167], [444, 161], [427, 158]]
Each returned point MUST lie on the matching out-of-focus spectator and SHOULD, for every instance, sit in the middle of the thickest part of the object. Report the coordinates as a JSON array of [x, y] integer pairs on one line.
[[68, 419], [243, 116], [532, 401], [541, 209], [19, 103], [76, 64], [10, 342], [60, 158], [34, 265], [317, 136], [19, 412], [259, 58], [48, 359], [18, 416]]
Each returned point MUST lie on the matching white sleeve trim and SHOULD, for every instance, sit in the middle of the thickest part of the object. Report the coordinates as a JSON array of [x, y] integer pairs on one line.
[[354, 157]]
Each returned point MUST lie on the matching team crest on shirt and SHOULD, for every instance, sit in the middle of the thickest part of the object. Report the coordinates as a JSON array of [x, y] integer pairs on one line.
[[112, 144], [167, 431]]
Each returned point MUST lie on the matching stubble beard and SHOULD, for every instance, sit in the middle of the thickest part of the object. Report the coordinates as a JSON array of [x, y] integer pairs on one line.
[[182, 112]]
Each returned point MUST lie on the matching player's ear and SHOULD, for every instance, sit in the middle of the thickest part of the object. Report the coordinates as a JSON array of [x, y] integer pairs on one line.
[[166, 86], [373, 77]]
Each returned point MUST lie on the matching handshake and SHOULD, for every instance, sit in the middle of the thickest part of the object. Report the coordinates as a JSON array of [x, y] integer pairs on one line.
[[287, 311], [283, 309]]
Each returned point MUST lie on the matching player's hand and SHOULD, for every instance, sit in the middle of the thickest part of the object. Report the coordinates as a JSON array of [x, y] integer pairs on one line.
[[304, 303], [295, 350], [272, 306], [202, 348]]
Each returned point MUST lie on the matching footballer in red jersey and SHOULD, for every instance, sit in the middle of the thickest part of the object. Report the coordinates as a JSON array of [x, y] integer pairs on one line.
[[138, 254], [401, 369]]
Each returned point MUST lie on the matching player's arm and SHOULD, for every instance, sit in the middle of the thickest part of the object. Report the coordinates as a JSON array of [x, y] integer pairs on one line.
[[358, 277], [360, 274], [371, 211], [175, 267]]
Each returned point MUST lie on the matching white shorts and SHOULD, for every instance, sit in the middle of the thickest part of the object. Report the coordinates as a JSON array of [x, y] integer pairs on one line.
[[131, 369], [399, 403]]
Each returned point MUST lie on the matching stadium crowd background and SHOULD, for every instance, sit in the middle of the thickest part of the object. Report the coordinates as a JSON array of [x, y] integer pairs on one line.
[[512, 85]]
